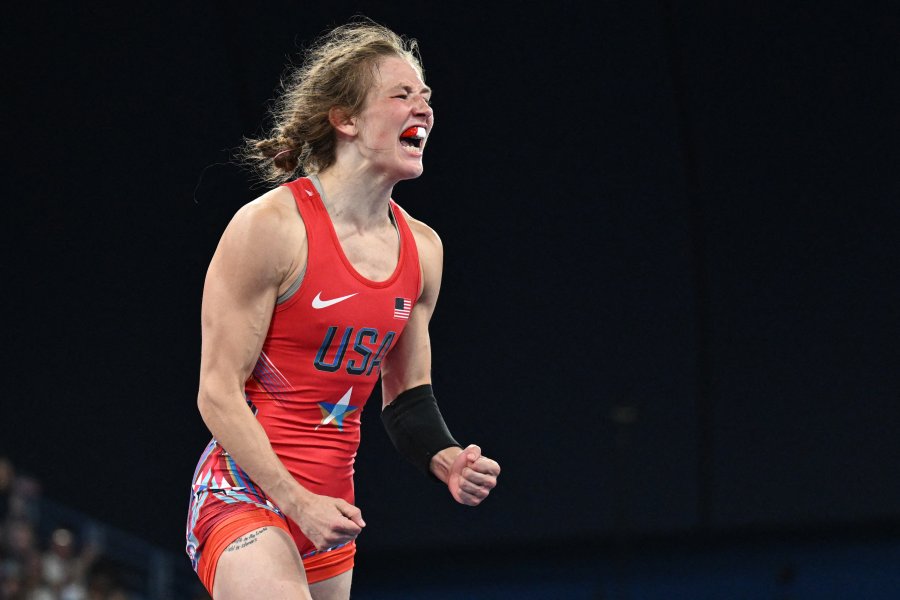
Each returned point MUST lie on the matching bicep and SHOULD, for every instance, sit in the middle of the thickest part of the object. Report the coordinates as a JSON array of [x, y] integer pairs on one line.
[[409, 362], [235, 317], [238, 300]]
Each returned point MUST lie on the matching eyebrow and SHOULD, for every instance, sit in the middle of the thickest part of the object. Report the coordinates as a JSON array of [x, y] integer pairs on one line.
[[408, 88]]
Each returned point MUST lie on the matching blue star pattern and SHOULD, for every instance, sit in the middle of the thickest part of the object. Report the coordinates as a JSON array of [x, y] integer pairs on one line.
[[335, 413]]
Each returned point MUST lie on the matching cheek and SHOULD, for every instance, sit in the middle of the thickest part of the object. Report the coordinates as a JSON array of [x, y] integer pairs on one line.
[[374, 133]]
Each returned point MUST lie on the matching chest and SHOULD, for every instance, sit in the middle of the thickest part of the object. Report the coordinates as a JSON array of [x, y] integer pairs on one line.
[[373, 254]]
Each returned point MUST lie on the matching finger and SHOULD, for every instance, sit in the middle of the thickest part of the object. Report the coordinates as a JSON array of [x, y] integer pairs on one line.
[[351, 512], [476, 490], [470, 499], [486, 465], [477, 494], [473, 453], [479, 479], [346, 527]]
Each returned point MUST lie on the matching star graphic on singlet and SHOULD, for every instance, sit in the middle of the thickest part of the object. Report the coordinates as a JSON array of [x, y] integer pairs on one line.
[[336, 412]]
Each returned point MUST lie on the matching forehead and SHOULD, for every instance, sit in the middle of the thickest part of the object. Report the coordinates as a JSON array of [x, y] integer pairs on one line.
[[394, 71]]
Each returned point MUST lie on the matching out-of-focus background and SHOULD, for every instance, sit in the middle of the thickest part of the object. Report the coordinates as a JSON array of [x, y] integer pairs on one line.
[[669, 309]]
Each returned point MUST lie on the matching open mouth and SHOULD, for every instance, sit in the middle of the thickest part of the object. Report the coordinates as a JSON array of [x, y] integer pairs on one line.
[[413, 137]]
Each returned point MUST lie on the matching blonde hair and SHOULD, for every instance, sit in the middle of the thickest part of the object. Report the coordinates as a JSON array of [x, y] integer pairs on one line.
[[337, 71]]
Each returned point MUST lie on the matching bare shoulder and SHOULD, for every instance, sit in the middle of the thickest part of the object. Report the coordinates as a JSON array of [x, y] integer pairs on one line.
[[273, 213], [267, 230], [427, 240], [431, 258]]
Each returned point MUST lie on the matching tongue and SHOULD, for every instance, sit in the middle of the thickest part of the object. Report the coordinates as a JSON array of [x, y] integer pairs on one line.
[[414, 131]]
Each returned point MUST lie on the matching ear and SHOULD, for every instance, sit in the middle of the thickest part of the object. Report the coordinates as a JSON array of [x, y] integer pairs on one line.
[[341, 121]]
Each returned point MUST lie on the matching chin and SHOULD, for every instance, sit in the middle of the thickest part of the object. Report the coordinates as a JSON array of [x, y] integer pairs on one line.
[[410, 173], [400, 170]]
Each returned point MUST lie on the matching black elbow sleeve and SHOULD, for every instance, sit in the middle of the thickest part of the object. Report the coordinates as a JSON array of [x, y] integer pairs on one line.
[[416, 427]]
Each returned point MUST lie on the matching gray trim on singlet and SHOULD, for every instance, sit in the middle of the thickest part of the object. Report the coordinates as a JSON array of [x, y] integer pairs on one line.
[[317, 184], [296, 285], [291, 290]]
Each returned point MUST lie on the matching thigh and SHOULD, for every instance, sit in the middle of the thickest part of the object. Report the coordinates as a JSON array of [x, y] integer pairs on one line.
[[335, 588], [264, 563]]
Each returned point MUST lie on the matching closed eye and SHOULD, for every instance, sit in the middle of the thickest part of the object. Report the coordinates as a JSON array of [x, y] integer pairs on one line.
[[428, 101], [403, 92]]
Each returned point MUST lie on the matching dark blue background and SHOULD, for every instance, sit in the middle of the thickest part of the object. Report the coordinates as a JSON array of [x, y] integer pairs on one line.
[[671, 281]]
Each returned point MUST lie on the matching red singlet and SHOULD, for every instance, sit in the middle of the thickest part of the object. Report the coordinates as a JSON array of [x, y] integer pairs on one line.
[[321, 358]]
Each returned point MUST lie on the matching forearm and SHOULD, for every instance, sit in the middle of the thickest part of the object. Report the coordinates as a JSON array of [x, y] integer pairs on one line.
[[237, 430], [416, 427]]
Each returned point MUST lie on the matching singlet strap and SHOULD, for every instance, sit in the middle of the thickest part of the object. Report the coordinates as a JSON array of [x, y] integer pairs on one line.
[[291, 290]]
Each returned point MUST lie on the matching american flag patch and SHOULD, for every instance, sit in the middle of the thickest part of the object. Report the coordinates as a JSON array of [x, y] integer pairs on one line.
[[402, 308]]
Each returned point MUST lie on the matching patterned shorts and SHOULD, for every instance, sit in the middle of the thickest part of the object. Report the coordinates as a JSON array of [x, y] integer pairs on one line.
[[226, 504]]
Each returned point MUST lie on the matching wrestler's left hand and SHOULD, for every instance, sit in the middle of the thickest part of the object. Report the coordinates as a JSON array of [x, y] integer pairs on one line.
[[472, 476]]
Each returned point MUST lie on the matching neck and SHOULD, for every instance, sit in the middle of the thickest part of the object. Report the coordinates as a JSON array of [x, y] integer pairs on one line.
[[355, 199]]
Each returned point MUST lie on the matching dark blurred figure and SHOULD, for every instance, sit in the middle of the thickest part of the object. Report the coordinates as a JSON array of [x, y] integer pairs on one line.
[[65, 566], [18, 549], [65, 569], [7, 475], [19, 494], [103, 582]]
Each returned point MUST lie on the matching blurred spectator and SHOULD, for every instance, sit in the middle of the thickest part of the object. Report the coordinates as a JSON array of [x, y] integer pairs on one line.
[[19, 494], [7, 474], [103, 583], [61, 568], [33, 585], [64, 567], [60, 572], [19, 541], [18, 549]]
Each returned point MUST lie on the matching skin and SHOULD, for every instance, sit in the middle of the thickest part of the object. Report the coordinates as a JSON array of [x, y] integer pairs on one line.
[[261, 252]]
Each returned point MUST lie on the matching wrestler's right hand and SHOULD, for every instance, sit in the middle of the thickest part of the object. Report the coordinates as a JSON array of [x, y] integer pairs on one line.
[[328, 522]]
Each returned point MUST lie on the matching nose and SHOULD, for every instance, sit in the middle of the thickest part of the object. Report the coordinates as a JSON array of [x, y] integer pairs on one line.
[[422, 108]]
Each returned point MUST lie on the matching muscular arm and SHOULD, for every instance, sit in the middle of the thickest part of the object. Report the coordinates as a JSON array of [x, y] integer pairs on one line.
[[469, 476], [409, 362], [238, 298], [257, 254]]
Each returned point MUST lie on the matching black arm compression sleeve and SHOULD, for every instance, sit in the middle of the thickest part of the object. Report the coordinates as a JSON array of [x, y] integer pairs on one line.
[[416, 427]]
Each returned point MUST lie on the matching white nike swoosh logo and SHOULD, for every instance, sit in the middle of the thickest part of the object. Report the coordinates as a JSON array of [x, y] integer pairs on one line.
[[319, 303]]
